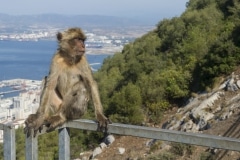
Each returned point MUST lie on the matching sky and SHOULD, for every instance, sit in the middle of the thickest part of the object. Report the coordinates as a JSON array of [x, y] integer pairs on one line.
[[153, 9]]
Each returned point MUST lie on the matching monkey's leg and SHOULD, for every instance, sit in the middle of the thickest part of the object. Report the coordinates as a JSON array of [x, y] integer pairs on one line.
[[73, 106], [61, 116], [103, 121]]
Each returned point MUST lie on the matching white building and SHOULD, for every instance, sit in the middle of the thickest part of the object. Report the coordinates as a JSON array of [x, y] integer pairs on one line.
[[16, 109]]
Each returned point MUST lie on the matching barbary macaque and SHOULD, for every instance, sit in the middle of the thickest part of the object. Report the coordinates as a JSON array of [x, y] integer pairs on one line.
[[68, 87]]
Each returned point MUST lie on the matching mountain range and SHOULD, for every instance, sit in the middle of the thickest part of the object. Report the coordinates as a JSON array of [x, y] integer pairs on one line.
[[56, 20]]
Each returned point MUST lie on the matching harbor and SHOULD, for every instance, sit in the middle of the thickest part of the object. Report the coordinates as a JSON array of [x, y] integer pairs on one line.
[[12, 88], [18, 99]]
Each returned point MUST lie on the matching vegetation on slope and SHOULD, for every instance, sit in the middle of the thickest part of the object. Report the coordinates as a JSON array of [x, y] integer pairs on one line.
[[181, 56]]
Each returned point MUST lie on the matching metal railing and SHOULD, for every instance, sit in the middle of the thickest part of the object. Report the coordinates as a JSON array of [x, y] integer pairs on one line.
[[115, 128], [9, 145]]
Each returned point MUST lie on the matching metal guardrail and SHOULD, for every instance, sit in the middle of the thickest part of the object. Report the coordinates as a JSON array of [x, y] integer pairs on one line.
[[9, 145], [162, 134], [115, 128]]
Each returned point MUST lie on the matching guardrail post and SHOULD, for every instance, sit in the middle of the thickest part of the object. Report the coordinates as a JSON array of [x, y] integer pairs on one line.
[[9, 142], [64, 143], [31, 143]]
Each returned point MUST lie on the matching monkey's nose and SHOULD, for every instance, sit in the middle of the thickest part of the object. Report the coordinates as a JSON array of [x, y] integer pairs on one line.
[[83, 45]]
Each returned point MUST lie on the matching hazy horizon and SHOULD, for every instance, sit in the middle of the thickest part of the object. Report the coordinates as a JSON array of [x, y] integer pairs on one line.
[[151, 10]]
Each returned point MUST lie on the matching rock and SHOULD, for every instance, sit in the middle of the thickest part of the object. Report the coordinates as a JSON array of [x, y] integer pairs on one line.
[[224, 85], [187, 126], [203, 125], [194, 128], [223, 117], [234, 87], [109, 139], [200, 110], [96, 152], [103, 145], [238, 84], [85, 155], [121, 150], [177, 123], [231, 86], [217, 109], [226, 115]]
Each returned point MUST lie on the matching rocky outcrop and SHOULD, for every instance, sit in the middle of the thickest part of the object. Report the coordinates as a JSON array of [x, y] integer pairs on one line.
[[197, 114]]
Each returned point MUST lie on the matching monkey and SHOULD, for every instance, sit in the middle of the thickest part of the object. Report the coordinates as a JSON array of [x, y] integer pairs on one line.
[[67, 88]]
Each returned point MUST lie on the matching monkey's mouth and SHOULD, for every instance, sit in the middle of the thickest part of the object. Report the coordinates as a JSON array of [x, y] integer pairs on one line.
[[79, 53]]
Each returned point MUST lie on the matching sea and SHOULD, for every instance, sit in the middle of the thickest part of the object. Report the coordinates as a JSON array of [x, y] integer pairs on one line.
[[31, 59]]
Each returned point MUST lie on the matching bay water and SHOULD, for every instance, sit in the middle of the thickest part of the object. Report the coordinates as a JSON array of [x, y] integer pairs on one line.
[[31, 59]]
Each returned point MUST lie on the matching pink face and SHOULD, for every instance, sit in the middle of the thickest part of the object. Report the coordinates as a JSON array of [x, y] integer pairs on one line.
[[79, 47]]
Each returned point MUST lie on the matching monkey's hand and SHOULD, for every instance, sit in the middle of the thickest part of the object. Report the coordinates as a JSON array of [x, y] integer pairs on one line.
[[102, 122], [33, 122]]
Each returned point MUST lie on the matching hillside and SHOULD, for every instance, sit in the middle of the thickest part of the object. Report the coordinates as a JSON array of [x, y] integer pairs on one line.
[[177, 69], [222, 104]]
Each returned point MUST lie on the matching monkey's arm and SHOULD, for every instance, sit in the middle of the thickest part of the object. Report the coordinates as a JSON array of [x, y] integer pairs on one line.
[[103, 121]]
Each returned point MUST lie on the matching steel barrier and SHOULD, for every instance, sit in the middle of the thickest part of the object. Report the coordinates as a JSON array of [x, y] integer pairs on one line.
[[31, 145], [9, 144]]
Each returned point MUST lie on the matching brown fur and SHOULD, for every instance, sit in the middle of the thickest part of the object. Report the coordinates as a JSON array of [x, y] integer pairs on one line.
[[68, 87]]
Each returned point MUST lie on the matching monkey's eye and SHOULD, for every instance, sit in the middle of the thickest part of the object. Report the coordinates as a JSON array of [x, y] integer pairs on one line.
[[80, 39]]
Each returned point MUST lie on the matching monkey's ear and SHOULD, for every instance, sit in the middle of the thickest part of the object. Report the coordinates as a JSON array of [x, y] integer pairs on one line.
[[59, 36]]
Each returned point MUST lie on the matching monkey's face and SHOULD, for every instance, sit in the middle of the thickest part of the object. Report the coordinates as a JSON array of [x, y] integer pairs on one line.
[[78, 46], [71, 43]]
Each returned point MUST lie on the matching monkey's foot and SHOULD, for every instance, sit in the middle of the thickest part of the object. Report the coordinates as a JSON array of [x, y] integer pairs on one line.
[[53, 122], [33, 122], [103, 122]]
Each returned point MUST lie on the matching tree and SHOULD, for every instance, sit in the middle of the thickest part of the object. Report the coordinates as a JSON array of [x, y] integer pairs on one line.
[[126, 105]]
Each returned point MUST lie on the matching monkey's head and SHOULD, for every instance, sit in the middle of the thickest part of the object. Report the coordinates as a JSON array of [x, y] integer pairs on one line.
[[71, 44]]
